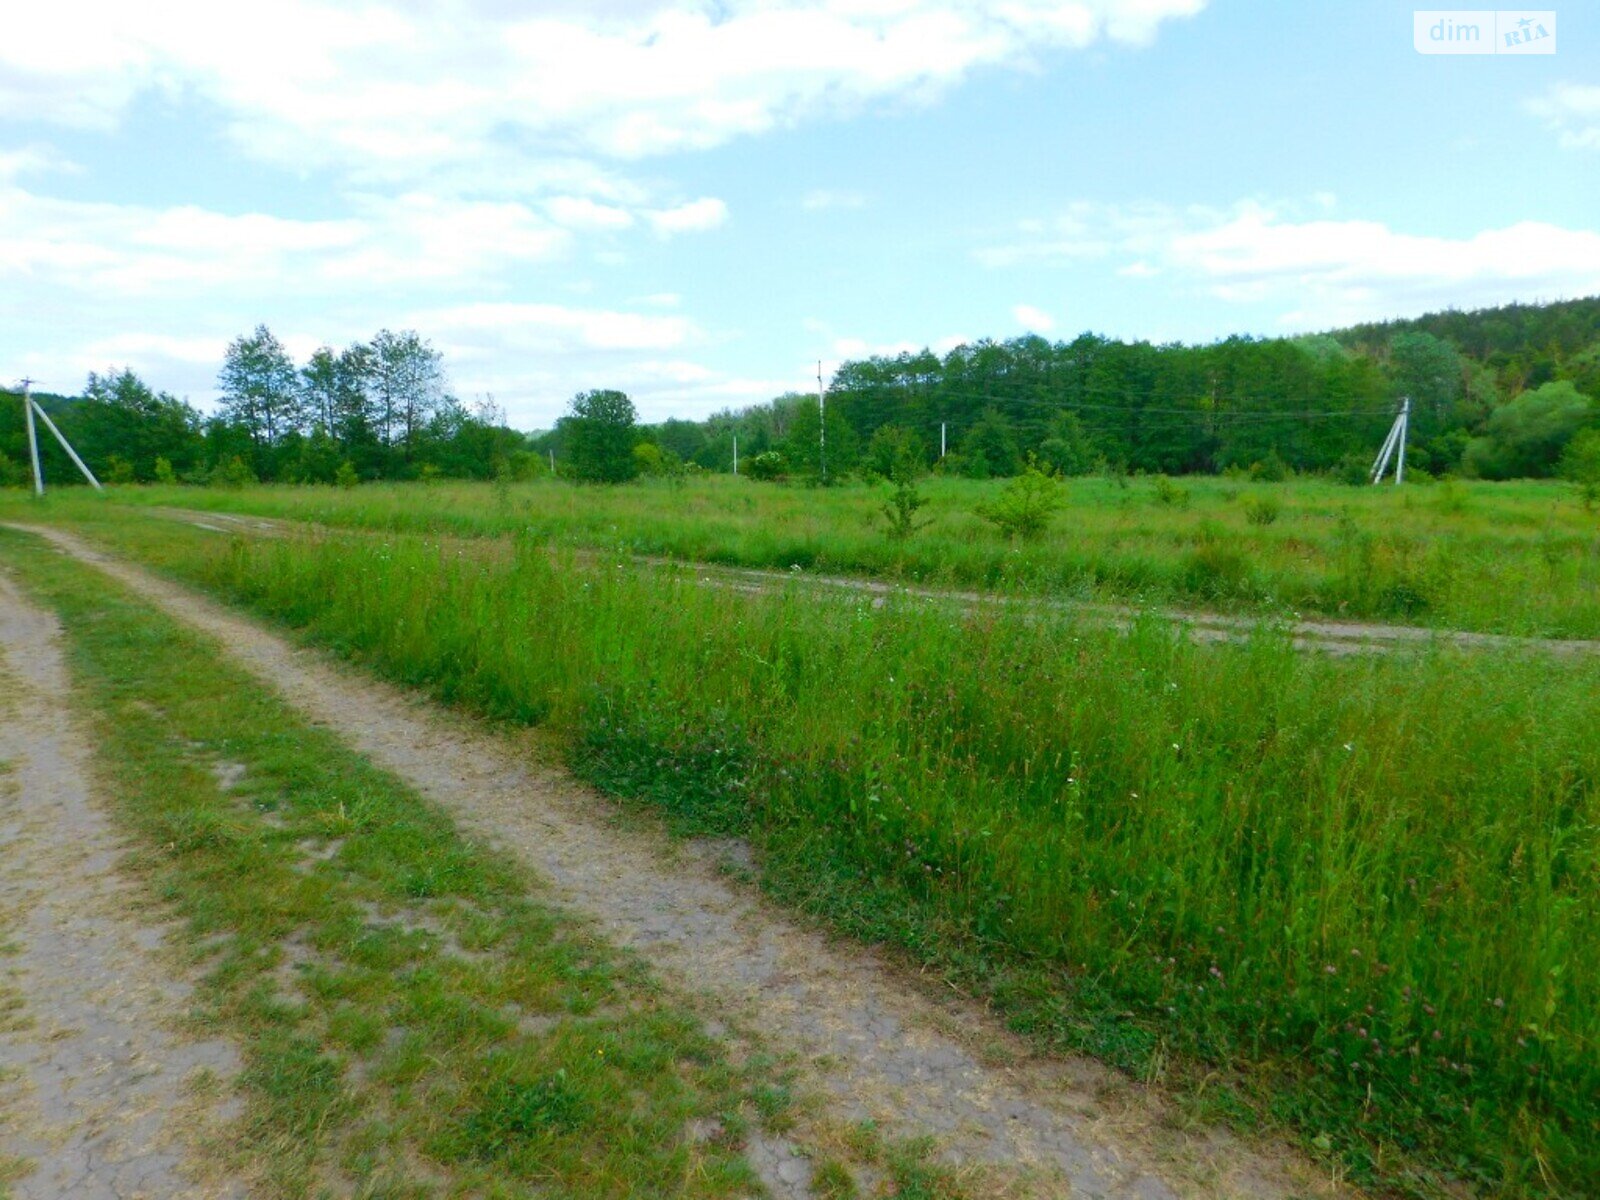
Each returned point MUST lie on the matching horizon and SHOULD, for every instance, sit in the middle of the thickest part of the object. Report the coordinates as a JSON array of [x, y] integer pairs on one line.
[[694, 204]]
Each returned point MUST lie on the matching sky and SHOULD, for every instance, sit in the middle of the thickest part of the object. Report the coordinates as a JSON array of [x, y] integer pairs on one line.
[[697, 201]]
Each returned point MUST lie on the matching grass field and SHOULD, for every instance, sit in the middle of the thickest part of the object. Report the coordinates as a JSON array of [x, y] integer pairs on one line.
[[1520, 558], [1355, 896]]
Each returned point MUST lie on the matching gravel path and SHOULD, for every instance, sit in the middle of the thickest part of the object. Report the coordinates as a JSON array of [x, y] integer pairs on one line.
[[93, 1083], [872, 1042]]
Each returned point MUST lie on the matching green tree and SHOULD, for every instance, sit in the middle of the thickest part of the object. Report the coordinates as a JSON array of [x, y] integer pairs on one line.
[[1580, 462], [122, 416], [1068, 450], [599, 437], [894, 448], [990, 447], [260, 389], [1526, 437], [407, 380]]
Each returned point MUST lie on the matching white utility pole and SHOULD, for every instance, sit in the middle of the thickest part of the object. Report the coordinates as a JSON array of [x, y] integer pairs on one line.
[[1405, 428], [1396, 441], [67, 446], [33, 436], [736, 454], [30, 407], [822, 422], [941, 439], [552, 461]]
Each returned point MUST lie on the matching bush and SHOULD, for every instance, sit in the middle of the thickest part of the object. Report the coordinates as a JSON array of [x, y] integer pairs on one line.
[[901, 509], [768, 467], [346, 476], [1271, 469], [1169, 494], [1354, 469], [1261, 510], [231, 473], [164, 472], [118, 470], [1024, 508]]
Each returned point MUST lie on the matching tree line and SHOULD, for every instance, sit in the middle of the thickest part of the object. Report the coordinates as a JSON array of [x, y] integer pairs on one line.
[[379, 409], [1498, 393], [1501, 393]]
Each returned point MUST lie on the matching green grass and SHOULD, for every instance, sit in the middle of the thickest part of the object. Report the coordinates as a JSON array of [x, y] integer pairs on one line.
[[1356, 897], [414, 1020], [1521, 558]]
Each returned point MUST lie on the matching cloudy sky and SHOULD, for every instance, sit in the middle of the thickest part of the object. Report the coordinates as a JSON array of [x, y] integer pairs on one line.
[[696, 200]]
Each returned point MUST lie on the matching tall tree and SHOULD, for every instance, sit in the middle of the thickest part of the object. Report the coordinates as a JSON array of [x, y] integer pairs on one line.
[[600, 434], [260, 388], [408, 384]]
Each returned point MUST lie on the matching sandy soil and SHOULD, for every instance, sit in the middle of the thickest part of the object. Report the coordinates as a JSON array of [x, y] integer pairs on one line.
[[95, 1082], [875, 1043]]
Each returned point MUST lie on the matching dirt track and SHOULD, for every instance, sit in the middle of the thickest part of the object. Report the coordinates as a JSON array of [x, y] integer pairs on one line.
[[873, 1042], [93, 1080], [1330, 637]]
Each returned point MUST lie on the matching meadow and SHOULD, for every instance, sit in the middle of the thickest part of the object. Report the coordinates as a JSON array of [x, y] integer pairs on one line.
[[1516, 558], [1356, 898]]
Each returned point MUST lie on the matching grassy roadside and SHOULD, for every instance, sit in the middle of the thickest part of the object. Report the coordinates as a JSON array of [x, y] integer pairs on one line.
[[413, 1019], [1293, 886]]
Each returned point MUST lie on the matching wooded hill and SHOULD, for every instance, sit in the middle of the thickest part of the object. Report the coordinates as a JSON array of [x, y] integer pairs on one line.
[[1495, 393]]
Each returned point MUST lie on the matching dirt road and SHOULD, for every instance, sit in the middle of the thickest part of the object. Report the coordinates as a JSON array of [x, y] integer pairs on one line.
[[95, 1082], [1329, 637], [872, 1042]]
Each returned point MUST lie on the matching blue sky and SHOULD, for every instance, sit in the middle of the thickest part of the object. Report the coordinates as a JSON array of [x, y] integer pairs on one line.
[[695, 202]]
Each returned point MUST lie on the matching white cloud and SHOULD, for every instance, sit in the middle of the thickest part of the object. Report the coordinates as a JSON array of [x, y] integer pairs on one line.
[[696, 216], [1573, 111], [553, 327], [1035, 320], [392, 87], [1317, 270], [580, 212], [132, 250], [824, 198], [34, 160]]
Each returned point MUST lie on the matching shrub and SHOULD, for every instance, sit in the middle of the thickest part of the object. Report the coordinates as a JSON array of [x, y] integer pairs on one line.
[[118, 470], [346, 476], [1169, 494], [1261, 510], [231, 472], [901, 509], [767, 467], [1023, 509], [164, 472]]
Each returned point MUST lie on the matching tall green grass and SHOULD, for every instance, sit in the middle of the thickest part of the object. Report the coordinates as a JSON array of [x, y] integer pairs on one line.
[[1519, 558], [1369, 890]]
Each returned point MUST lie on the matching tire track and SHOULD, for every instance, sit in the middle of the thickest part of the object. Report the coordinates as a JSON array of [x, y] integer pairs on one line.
[[94, 1088]]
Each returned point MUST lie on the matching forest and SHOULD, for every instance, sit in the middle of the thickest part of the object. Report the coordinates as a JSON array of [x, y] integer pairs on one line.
[[1498, 393]]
